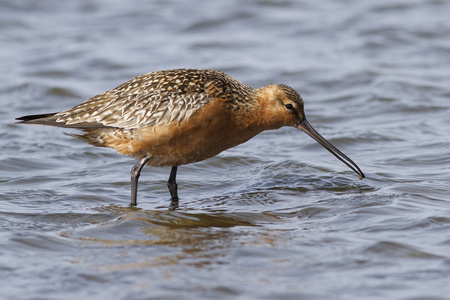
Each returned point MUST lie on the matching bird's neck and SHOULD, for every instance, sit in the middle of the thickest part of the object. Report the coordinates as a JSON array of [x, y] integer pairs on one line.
[[263, 114]]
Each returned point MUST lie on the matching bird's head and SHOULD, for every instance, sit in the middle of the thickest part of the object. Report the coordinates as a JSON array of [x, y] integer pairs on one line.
[[280, 106]]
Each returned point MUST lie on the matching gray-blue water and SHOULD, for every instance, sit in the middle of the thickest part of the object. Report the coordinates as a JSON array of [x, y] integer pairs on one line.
[[275, 218]]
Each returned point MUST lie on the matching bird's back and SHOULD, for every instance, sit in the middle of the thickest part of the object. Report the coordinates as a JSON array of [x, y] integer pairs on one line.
[[157, 98]]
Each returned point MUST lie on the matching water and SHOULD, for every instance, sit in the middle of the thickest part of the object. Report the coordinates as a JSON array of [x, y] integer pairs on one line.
[[275, 218]]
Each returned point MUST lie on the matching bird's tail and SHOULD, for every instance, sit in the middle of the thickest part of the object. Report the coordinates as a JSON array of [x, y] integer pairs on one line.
[[51, 119], [91, 135], [42, 119]]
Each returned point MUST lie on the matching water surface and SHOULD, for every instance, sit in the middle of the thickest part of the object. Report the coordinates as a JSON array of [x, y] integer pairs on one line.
[[275, 218]]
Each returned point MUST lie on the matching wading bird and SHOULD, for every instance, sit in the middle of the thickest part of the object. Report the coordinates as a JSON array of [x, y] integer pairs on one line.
[[176, 117]]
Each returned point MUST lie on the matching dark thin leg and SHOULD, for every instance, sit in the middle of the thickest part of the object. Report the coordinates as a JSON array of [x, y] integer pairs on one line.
[[135, 173], [172, 184]]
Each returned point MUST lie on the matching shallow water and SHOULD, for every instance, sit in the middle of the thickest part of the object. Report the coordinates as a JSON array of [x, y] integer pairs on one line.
[[275, 218]]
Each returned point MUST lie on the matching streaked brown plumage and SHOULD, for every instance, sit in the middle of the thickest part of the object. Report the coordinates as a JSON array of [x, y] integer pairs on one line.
[[176, 117]]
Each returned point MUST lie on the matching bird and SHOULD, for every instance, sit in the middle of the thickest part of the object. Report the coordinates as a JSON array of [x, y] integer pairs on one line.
[[176, 117]]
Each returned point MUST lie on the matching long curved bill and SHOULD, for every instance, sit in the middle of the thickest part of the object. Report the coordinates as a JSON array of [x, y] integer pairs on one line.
[[309, 130]]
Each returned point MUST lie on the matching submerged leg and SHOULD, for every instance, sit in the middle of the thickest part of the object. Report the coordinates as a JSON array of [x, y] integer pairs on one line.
[[172, 184], [135, 173]]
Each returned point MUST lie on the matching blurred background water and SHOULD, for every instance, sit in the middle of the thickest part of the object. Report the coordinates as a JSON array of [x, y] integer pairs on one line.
[[275, 218]]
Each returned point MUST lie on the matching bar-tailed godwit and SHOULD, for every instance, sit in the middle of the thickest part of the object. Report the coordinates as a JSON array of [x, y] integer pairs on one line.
[[176, 117]]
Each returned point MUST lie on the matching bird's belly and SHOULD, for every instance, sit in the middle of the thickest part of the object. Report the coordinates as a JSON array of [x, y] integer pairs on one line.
[[187, 143]]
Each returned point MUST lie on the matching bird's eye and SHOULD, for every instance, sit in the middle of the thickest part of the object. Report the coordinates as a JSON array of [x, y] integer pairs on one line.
[[289, 106]]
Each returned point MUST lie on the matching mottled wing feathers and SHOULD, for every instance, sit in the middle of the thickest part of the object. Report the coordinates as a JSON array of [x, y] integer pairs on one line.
[[153, 99]]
